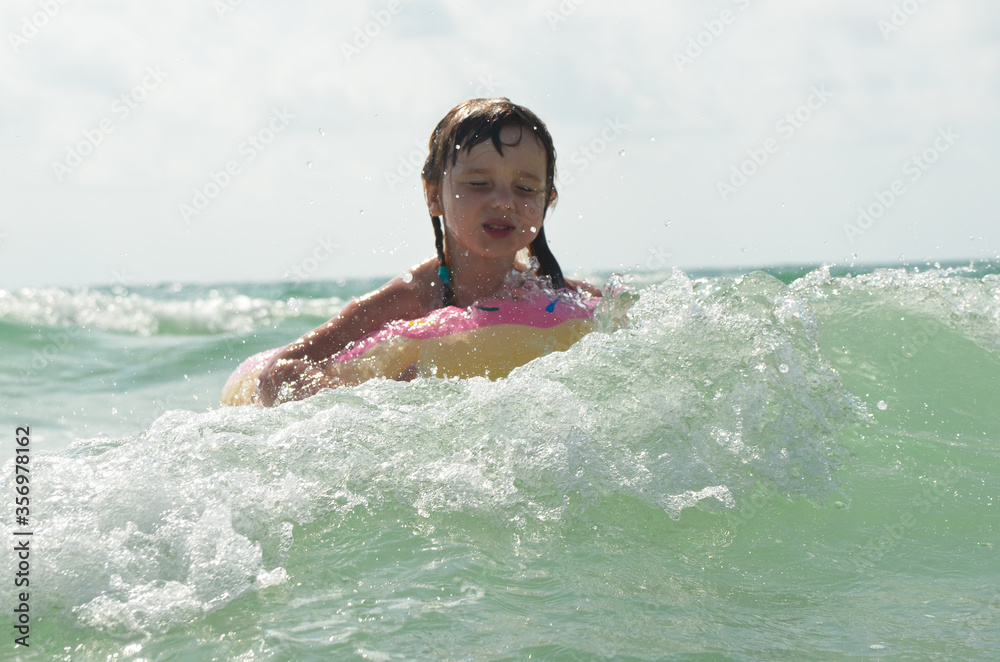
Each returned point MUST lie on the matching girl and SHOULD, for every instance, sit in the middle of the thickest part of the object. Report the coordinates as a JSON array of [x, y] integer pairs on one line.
[[488, 181]]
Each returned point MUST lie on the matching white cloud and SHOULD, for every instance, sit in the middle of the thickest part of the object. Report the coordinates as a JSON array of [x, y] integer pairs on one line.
[[225, 77]]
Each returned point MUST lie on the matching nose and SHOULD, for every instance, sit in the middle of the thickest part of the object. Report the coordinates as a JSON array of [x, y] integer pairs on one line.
[[503, 197]]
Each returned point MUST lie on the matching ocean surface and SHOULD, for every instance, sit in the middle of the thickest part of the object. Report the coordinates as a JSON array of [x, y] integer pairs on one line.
[[786, 464]]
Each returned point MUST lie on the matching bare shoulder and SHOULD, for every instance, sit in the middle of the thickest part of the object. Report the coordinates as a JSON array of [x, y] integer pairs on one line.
[[398, 299], [583, 286], [412, 295]]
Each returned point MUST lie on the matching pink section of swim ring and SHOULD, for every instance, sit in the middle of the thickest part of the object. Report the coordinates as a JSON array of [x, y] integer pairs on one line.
[[538, 308]]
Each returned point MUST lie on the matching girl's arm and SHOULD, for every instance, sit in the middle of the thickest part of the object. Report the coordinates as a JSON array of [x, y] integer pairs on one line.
[[301, 370]]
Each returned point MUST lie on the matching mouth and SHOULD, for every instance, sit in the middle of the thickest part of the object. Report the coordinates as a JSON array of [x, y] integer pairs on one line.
[[498, 230]]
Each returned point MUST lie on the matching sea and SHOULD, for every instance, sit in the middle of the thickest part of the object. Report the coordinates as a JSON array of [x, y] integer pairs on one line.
[[793, 463]]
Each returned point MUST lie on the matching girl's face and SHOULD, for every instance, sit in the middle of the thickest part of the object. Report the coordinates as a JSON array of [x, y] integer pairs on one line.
[[493, 205]]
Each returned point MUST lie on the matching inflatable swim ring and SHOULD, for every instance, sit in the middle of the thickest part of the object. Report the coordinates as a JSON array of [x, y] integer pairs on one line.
[[487, 339]]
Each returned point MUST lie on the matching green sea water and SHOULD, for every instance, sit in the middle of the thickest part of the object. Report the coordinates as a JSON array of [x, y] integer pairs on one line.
[[786, 464]]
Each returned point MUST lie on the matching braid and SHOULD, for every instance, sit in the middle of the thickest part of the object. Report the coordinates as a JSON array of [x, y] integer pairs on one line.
[[448, 294], [547, 264]]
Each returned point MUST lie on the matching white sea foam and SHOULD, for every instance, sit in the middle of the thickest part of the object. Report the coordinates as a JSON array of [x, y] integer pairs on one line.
[[948, 297], [686, 406], [130, 312]]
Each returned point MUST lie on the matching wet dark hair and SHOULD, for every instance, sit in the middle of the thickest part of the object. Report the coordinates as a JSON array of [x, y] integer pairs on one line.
[[473, 122]]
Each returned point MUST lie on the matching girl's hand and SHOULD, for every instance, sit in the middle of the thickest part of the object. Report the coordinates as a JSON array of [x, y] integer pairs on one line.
[[584, 286], [409, 374], [291, 379]]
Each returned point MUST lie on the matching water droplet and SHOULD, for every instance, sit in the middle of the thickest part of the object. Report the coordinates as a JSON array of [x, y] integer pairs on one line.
[[881, 405], [666, 223], [362, 212], [533, 229], [621, 152], [322, 131], [652, 139], [407, 277], [309, 164], [783, 368]]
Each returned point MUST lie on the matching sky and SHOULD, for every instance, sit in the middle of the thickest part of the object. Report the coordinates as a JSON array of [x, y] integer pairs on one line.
[[240, 140]]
